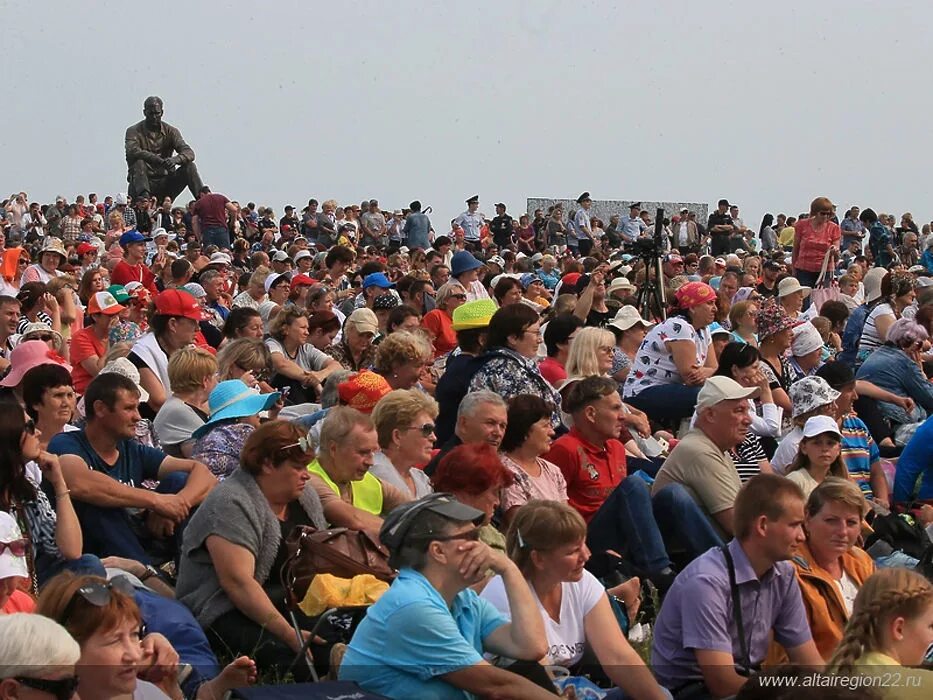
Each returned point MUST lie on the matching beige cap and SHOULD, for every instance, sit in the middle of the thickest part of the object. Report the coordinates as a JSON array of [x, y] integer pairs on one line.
[[363, 321], [717, 389]]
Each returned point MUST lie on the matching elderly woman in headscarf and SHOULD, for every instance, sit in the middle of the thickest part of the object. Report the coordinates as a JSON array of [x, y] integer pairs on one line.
[[675, 357]]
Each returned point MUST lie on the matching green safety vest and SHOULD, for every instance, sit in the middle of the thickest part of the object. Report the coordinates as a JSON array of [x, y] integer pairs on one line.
[[367, 492]]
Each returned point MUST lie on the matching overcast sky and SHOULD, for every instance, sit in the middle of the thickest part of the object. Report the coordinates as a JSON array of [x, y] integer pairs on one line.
[[768, 104]]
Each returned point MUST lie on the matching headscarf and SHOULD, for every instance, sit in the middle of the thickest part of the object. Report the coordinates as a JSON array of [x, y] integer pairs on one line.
[[693, 294], [10, 265]]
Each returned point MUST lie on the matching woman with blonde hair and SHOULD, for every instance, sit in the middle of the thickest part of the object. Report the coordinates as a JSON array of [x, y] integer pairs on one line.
[[192, 372], [439, 321], [547, 541], [891, 627], [405, 428], [248, 360], [402, 359], [590, 352]]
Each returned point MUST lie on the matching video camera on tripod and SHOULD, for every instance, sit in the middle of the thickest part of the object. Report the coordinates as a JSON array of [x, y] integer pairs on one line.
[[650, 299]]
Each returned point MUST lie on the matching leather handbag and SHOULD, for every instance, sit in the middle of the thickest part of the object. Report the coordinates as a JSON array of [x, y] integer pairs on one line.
[[338, 551]]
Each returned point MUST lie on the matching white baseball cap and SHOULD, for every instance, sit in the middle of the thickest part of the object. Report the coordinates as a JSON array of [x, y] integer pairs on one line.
[[817, 425]]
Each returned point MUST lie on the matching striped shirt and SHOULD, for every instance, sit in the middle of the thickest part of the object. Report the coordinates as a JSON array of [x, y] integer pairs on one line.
[[747, 455], [859, 452]]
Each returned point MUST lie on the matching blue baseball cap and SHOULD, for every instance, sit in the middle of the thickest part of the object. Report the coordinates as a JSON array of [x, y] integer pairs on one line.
[[377, 279], [132, 236]]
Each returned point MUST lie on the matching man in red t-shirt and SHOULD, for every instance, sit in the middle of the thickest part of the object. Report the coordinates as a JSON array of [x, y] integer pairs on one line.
[[210, 218], [617, 507], [132, 268]]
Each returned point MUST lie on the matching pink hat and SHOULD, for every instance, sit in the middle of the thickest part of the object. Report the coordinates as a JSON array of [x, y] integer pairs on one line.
[[30, 354]]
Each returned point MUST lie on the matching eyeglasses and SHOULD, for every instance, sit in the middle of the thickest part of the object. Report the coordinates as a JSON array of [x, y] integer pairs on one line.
[[17, 547], [427, 430], [825, 213], [61, 689], [30, 427]]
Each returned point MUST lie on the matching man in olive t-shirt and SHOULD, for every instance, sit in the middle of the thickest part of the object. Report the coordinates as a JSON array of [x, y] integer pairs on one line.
[[699, 462]]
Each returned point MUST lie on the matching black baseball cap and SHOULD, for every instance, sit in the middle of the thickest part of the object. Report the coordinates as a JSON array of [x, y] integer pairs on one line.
[[402, 522]]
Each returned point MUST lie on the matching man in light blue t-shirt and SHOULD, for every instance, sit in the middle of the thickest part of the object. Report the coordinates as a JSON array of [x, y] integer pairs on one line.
[[426, 636]]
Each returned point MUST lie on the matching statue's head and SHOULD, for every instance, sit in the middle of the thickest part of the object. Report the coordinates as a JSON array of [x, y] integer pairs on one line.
[[152, 110]]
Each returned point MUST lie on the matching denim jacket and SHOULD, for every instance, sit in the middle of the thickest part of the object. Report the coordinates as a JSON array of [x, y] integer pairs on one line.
[[892, 369]]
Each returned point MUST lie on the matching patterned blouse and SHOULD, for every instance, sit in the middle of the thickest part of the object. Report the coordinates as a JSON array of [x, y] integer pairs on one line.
[[509, 374], [341, 353]]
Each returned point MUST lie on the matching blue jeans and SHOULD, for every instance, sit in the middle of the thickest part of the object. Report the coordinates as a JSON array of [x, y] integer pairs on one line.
[[114, 532], [85, 565], [625, 523], [216, 235], [683, 522], [666, 402]]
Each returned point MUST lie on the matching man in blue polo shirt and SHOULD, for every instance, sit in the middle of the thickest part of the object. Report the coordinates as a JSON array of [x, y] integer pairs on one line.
[[426, 636], [703, 646], [105, 467]]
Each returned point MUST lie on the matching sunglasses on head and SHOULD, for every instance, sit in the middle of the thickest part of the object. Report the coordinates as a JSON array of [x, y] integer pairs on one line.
[[305, 444], [61, 689], [17, 547], [99, 594], [426, 430]]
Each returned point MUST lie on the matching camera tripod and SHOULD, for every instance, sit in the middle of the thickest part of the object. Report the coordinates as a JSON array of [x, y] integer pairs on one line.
[[650, 299]]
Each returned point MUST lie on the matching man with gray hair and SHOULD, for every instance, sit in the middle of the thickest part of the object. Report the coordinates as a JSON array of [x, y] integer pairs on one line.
[[481, 417], [37, 657]]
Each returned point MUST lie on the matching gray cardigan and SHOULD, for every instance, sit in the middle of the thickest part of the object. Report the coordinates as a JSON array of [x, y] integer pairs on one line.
[[237, 511]]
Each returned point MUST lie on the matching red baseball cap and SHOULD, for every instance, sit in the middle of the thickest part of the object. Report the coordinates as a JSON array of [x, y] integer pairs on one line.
[[299, 280], [85, 247], [174, 302], [570, 280]]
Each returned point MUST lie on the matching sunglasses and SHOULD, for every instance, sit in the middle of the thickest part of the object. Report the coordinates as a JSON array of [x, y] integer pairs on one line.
[[260, 374], [17, 547], [471, 535], [61, 689], [426, 430], [44, 337], [99, 594], [23, 262], [30, 427], [305, 444]]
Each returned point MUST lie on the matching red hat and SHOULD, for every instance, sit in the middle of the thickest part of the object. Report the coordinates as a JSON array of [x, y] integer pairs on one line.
[[173, 302], [104, 303], [363, 391], [85, 247], [299, 280], [570, 280]]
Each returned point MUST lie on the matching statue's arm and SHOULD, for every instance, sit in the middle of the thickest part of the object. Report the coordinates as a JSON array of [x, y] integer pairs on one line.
[[185, 154], [135, 151]]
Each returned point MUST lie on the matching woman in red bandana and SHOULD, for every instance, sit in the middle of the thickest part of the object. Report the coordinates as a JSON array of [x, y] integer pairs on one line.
[[675, 358]]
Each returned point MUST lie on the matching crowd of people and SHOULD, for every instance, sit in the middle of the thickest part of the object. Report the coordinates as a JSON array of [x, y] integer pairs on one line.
[[556, 472]]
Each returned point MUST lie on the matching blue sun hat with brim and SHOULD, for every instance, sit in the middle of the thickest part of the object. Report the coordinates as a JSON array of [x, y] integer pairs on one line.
[[233, 399], [463, 261]]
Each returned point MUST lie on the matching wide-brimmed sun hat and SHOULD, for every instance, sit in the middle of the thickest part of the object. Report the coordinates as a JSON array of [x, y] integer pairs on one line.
[[233, 399]]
